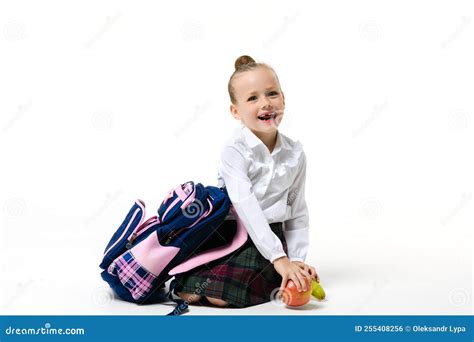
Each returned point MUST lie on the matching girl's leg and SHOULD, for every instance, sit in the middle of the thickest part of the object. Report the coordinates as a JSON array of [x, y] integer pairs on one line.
[[191, 298], [217, 301]]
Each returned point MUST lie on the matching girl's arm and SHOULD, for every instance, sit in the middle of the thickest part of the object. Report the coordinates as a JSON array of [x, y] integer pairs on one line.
[[297, 227], [233, 169]]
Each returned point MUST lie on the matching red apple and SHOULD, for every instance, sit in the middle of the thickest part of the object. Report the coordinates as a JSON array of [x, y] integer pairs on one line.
[[292, 297]]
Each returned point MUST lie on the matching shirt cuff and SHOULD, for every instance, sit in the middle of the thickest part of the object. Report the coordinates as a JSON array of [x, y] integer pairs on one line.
[[296, 259], [274, 257], [297, 242]]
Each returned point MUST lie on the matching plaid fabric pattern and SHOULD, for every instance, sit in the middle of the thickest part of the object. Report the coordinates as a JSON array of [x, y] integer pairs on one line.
[[242, 279], [132, 275]]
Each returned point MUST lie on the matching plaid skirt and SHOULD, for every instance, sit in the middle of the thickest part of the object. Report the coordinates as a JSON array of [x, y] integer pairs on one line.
[[243, 278]]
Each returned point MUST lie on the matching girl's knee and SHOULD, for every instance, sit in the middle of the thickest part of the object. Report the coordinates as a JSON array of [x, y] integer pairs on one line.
[[190, 297], [217, 301]]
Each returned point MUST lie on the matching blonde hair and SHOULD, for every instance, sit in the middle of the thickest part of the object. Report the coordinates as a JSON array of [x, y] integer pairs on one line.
[[242, 64]]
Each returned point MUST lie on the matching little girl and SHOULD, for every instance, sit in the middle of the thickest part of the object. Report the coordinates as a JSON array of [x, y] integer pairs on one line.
[[264, 174]]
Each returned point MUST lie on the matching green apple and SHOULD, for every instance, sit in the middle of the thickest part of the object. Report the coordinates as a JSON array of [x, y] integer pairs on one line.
[[317, 291]]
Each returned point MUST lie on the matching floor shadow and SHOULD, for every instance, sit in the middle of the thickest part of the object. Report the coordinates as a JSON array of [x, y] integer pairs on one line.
[[306, 307]]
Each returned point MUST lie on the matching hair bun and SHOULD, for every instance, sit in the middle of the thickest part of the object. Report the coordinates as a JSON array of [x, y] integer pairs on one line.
[[243, 60]]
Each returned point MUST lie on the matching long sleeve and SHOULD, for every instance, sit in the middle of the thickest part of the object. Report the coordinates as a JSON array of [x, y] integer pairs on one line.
[[233, 169], [297, 227]]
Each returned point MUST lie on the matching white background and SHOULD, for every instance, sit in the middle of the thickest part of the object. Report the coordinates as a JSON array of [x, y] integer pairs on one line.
[[105, 102]]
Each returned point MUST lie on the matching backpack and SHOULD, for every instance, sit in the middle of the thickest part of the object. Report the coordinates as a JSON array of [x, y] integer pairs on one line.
[[143, 254]]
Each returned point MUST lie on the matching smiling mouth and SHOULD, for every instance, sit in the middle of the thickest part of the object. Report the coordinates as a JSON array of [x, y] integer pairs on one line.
[[267, 117]]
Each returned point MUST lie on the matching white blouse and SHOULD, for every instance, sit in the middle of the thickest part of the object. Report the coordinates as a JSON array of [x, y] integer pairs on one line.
[[265, 188]]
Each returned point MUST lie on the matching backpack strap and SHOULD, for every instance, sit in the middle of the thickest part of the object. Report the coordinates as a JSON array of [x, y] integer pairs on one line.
[[181, 197], [181, 305], [141, 229]]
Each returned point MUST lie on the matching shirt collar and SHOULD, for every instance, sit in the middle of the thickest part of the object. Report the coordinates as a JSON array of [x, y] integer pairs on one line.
[[252, 140]]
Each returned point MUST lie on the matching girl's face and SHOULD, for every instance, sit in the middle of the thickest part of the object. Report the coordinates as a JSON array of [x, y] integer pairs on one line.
[[260, 103]]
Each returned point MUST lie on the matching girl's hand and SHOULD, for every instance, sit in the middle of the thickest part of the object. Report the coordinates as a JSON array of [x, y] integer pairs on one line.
[[289, 270], [310, 269]]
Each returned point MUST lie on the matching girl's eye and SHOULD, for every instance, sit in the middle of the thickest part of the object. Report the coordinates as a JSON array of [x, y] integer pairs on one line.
[[272, 93]]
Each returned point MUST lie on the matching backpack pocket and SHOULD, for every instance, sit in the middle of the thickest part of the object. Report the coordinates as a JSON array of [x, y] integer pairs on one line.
[[141, 269], [131, 231]]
